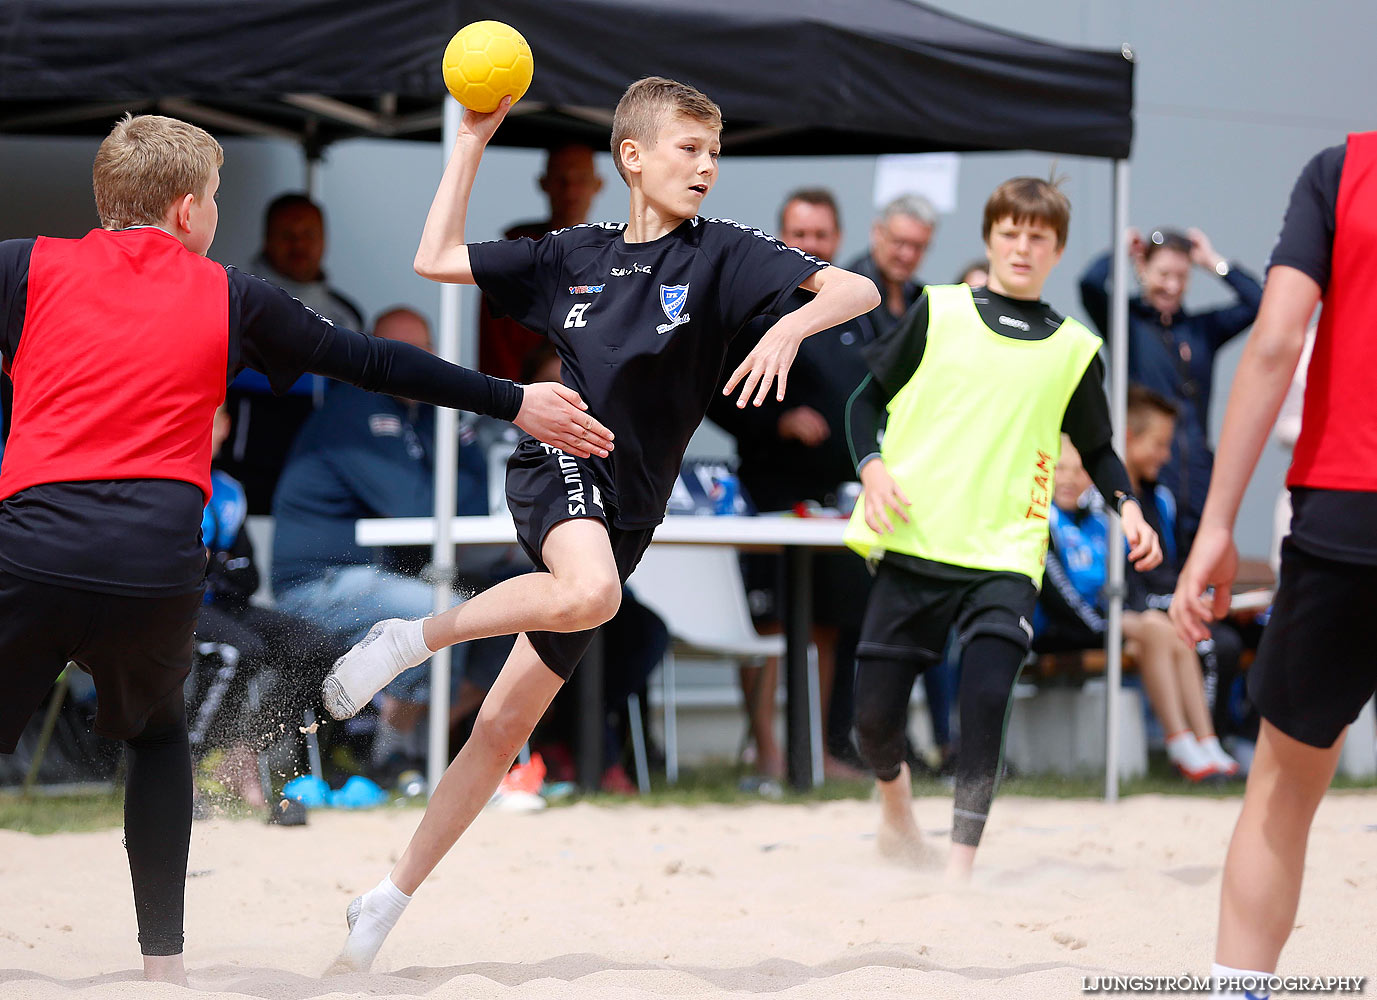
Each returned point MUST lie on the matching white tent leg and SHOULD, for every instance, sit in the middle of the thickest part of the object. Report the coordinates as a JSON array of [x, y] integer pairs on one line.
[[1118, 406], [446, 486]]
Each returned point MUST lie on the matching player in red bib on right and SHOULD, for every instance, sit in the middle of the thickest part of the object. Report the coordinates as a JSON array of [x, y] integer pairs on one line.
[[1315, 669]]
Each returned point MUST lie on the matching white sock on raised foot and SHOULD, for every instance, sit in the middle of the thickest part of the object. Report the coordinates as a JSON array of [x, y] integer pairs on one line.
[[1218, 755], [1184, 750], [390, 647], [371, 916], [1222, 974]]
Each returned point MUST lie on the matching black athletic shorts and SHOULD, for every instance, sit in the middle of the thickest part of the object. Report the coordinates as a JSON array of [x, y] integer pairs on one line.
[[1315, 667], [545, 487], [910, 614], [138, 650]]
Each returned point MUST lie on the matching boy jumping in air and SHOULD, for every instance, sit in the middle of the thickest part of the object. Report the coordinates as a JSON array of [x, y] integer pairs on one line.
[[120, 345], [978, 384], [641, 314]]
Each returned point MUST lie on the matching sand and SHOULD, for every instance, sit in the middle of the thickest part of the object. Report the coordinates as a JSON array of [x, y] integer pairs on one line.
[[622, 902]]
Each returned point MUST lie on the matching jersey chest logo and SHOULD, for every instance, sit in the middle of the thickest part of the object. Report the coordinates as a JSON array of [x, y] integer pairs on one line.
[[673, 298]]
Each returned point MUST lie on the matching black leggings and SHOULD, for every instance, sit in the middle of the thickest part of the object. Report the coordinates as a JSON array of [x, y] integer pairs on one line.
[[157, 825], [989, 667]]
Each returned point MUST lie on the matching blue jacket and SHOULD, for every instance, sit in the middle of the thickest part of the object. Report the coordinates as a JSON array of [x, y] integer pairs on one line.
[[1076, 566], [359, 455], [231, 574], [1176, 359]]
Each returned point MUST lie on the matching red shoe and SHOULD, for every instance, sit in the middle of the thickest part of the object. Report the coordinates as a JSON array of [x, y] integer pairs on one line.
[[520, 788], [615, 781]]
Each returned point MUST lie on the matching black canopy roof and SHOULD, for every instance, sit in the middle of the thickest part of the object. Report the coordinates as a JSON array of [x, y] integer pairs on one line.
[[792, 76]]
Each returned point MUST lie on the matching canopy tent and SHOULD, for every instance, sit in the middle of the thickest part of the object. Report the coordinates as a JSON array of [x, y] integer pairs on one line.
[[792, 76], [809, 77]]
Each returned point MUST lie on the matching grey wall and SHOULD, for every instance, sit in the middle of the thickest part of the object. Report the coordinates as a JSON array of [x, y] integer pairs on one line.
[[1232, 98]]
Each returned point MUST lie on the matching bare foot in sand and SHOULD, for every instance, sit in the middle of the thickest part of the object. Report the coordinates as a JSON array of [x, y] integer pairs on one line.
[[164, 969], [959, 864], [904, 844], [899, 837]]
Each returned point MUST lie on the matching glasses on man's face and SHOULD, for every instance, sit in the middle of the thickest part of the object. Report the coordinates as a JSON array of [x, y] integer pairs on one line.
[[898, 243]]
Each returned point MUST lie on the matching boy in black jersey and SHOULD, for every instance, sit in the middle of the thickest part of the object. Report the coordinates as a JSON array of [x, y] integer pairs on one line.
[[120, 346], [978, 384], [641, 315]]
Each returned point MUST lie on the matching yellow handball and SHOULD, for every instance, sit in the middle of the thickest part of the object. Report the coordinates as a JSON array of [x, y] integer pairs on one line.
[[484, 62]]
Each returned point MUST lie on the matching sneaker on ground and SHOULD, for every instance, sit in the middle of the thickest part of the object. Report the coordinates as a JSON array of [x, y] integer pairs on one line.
[[520, 787]]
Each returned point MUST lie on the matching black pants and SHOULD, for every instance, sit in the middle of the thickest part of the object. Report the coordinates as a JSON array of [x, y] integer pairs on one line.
[[908, 619], [138, 650]]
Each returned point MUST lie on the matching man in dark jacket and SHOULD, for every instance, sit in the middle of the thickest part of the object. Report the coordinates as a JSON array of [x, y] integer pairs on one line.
[[1172, 352]]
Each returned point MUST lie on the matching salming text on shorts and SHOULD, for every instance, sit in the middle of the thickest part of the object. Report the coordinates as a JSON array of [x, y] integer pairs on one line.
[[545, 487], [1315, 668], [910, 614], [138, 650]]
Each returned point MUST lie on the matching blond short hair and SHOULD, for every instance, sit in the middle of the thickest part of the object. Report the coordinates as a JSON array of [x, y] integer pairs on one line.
[[648, 104], [146, 163]]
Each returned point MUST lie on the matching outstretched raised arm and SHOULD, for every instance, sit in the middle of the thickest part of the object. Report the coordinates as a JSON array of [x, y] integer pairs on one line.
[[443, 254]]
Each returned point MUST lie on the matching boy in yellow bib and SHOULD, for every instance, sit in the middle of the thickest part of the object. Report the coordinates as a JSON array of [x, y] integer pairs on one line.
[[955, 433]]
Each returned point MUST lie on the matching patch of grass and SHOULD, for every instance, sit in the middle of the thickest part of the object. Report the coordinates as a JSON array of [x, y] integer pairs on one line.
[[62, 813]]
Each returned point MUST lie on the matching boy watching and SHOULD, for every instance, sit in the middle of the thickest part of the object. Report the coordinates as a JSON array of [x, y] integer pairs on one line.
[[1148, 436], [978, 383], [641, 314], [129, 338]]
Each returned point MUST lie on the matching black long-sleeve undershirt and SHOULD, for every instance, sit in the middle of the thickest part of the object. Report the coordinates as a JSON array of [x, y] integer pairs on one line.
[[273, 333], [895, 359]]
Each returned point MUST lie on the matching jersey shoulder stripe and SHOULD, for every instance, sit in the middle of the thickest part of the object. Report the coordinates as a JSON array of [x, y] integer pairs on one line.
[[761, 235]]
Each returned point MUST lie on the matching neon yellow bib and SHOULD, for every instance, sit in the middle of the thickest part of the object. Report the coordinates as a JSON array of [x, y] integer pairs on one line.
[[972, 440]]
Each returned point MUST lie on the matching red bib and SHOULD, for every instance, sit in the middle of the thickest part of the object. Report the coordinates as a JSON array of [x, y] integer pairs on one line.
[[121, 363], [1337, 449]]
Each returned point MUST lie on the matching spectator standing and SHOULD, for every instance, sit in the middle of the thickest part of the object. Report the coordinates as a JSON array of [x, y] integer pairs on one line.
[[1172, 351], [266, 424], [570, 183], [795, 452], [899, 240], [368, 455]]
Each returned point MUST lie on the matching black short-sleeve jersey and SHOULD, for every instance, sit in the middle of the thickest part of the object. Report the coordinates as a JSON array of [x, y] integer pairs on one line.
[[1306, 241], [642, 330]]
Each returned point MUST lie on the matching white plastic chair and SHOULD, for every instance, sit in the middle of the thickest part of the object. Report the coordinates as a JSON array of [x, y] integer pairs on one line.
[[699, 593]]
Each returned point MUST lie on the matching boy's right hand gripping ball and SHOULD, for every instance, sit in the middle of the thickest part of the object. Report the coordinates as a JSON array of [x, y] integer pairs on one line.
[[484, 62]]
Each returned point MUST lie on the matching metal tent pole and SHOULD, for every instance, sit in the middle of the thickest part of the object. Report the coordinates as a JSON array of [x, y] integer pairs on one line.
[[1118, 406], [446, 488]]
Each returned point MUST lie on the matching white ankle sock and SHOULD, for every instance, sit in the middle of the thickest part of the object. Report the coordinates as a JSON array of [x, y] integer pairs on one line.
[[1219, 974], [1184, 750], [1217, 754], [379, 911], [390, 647]]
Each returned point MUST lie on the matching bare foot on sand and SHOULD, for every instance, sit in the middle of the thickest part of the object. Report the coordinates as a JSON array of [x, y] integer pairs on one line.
[[904, 844], [164, 969]]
